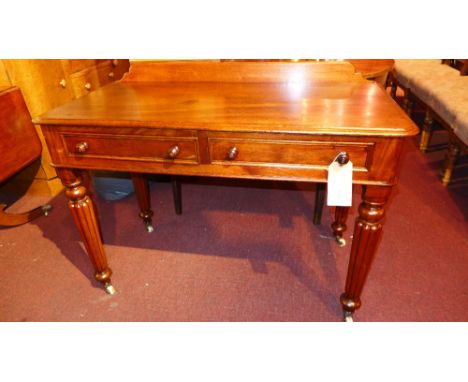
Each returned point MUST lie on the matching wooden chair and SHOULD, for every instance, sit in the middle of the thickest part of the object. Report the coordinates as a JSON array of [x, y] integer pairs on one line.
[[19, 146]]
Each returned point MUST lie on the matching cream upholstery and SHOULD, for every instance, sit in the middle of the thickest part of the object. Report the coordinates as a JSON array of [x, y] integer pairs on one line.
[[429, 81], [404, 70], [450, 98]]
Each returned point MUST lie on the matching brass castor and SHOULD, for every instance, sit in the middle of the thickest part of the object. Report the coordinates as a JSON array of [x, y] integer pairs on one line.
[[46, 208], [348, 316], [149, 227], [110, 289], [340, 240]]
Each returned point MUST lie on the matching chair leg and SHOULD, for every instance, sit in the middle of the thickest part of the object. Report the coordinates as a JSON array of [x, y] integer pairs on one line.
[[177, 194], [394, 89], [452, 155], [426, 132], [319, 202], [408, 103], [12, 220]]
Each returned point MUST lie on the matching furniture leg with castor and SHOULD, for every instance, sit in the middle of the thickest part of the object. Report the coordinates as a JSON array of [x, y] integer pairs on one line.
[[142, 191]]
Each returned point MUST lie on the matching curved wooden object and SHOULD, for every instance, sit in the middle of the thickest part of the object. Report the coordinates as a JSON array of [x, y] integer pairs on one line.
[[12, 220], [19, 147]]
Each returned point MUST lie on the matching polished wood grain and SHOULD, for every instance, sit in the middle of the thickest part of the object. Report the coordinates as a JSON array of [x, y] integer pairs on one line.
[[267, 120], [334, 107], [19, 143]]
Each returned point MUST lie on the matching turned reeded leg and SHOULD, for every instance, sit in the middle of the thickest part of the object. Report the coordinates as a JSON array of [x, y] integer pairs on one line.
[[319, 202], [426, 132], [339, 225], [142, 191], [453, 152], [367, 232], [177, 194], [83, 212]]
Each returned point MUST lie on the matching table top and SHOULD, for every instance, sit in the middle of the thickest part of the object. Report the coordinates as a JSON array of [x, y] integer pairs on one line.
[[324, 107]]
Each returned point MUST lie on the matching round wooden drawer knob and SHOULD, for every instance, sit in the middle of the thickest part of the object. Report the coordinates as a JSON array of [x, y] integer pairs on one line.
[[115, 62], [342, 158], [63, 83], [82, 147], [111, 75], [232, 153], [87, 86], [173, 152]]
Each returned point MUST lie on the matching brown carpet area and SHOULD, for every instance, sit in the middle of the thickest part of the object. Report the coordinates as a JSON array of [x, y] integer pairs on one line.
[[244, 251]]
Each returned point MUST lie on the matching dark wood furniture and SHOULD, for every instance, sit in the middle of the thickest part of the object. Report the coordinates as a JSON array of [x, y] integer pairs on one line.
[[458, 63], [264, 120], [46, 84], [19, 147]]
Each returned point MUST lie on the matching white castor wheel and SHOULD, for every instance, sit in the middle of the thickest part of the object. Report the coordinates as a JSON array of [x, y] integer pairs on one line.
[[149, 227], [348, 317], [340, 240], [46, 208], [110, 289]]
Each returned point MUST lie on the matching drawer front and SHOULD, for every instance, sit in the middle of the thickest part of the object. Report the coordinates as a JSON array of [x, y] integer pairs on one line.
[[291, 153], [130, 147]]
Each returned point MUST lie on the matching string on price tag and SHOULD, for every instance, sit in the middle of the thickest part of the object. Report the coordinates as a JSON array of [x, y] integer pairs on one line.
[[340, 181]]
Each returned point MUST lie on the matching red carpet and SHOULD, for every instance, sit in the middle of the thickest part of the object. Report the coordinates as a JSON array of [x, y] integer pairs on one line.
[[244, 251]]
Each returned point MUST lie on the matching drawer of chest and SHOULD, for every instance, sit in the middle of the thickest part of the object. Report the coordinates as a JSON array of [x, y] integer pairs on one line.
[[298, 153], [171, 149]]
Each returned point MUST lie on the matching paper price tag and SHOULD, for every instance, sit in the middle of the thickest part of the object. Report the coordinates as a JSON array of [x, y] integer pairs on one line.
[[340, 184]]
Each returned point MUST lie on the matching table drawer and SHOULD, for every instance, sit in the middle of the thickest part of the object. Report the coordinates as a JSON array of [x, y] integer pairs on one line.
[[283, 152], [171, 149]]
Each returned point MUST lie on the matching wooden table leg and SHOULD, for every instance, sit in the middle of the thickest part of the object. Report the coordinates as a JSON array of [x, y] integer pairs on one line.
[[83, 211], [177, 194], [367, 232], [319, 202], [142, 190], [339, 225]]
